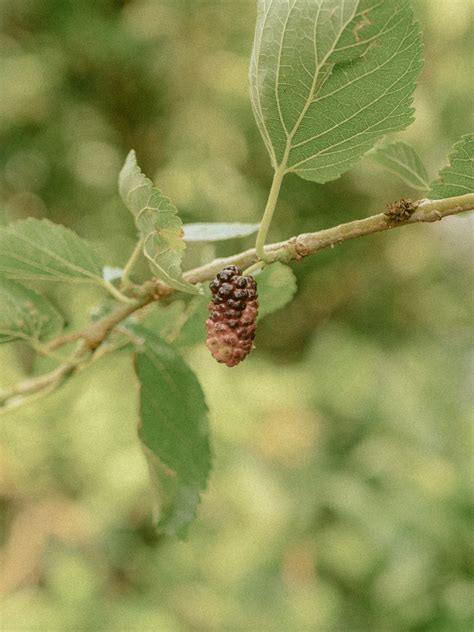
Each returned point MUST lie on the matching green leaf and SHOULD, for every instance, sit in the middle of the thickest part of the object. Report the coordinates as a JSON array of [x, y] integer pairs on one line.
[[38, 250], [158, 223], [174, 428], [165, 321], [329, 78], [175, 502], [218, 232], [25, 315], [458, 178], [193, 330], [402, 160], [276, 286], [180, 323]]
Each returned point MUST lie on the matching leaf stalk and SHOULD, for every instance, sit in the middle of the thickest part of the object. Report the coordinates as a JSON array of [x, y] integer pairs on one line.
[[268, 213], [116, 293], [132, 261]]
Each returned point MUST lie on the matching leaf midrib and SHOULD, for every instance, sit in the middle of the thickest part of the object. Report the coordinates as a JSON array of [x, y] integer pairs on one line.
[[317, 70], [44, 267], [328, 150]]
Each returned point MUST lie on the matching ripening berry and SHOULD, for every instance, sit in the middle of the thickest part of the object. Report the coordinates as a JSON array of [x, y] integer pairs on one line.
[[232, 316]]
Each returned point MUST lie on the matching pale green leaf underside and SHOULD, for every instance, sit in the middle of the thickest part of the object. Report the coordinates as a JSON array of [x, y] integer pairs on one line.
[[458, 177], [25, 315], [217, 232], [174, 427], [402, 160], [38, 250], [329, 78], [276, 286], [158, 223]]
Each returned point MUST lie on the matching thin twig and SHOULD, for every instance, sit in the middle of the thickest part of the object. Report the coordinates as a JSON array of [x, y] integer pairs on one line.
[[306, 244], [92, 337], [292, 249]]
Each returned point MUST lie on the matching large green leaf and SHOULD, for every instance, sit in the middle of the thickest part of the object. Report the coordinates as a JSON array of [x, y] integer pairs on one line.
[[276, 286], [174, 428], [25, 315], [217, 232], [328, 78], [402, 160], [458, 178], [38, 250], [158, 223]]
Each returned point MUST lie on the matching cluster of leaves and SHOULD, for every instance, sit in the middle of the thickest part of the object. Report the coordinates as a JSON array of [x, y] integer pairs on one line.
[[319, 107], [172, 410]]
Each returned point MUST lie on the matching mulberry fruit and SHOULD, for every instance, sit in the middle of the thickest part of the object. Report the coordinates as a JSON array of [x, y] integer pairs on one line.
[[232, 316]]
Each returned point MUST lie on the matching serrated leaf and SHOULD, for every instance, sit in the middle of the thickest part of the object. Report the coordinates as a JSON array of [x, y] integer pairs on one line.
[[158, 223], [217, 232], [174, 427], [458, 177], [402, 160], [329, 78], [25, 315], [38, 250], [276, 287]]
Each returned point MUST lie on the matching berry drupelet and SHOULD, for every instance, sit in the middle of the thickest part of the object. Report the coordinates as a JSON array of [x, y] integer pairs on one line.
[[232, 316]]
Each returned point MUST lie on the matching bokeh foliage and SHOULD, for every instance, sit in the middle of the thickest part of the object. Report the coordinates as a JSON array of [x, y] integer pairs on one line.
[[339, 498]]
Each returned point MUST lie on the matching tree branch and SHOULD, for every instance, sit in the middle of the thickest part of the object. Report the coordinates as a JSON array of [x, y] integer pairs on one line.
[[306, 244], [91, 338], [399, 214]]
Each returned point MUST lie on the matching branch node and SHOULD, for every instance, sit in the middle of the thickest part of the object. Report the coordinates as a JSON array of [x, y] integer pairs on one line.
[[301, 250], [400, 210]]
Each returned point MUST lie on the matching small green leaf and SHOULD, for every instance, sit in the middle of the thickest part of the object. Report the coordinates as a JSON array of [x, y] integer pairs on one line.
[[458, 178], [174, 427], [329, 78], [180, 323], [25, 315], [193, 330], [276, 286], [158, 223], [38, 250], [165, 321], [402, 160], [218, 232]]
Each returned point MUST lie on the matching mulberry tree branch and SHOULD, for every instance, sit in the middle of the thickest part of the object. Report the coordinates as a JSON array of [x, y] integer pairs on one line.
[[400, 213], [306, 244]]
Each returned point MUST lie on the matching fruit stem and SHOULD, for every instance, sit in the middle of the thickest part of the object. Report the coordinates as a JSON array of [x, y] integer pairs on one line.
[[253, 267]]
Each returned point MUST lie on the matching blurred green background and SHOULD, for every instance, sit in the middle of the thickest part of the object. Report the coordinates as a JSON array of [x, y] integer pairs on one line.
[[339, 499]]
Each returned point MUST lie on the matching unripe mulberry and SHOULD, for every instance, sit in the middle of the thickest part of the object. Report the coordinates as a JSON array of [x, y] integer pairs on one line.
[[232, 316]]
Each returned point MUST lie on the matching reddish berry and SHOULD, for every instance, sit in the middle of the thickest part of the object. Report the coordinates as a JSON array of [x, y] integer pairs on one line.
[[232, 316]]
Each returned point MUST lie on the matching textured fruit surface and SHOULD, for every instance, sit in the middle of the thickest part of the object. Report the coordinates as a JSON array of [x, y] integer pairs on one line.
[[232, 316]]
